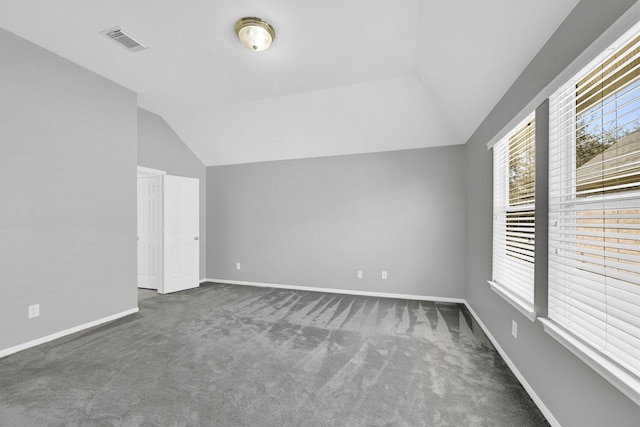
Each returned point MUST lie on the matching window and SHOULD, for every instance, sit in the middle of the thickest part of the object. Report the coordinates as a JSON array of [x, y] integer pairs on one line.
[[514, 216], [594, 210]]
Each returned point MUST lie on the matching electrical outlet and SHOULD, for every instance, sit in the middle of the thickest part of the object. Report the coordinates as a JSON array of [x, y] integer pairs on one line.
[[514, 329], [359, 274], [384, 275], [34, 310], [237, 266]]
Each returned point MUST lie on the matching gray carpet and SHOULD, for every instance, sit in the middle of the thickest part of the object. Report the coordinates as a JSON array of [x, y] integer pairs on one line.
[[225, 355], [146, 293]]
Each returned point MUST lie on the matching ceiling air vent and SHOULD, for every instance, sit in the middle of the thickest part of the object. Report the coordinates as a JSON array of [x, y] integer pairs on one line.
[[124, 39]]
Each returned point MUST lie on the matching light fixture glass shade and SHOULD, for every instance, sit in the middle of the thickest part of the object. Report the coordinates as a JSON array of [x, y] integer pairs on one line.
[[254, 33]]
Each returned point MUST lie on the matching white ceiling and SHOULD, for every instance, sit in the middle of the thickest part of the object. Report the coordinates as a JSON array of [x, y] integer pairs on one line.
[[342, 76]]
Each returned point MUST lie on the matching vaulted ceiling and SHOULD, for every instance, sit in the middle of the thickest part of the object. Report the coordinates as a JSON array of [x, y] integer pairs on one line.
[[342, 76]]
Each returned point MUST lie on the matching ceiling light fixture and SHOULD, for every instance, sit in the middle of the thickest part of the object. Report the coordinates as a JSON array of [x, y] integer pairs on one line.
[[255, 33]]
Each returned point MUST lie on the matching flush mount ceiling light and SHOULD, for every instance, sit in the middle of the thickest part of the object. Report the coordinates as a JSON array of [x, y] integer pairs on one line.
[[255, 33]]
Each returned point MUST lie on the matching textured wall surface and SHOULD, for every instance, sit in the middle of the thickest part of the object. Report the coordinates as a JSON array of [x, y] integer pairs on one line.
[[67, 193], [316, 222]]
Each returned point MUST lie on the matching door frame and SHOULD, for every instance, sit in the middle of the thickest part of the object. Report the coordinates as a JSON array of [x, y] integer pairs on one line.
[[144, 171]]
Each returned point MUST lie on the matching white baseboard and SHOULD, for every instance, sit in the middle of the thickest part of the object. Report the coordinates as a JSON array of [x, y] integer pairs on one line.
[[33, 343], [336, 291], [534, 396]]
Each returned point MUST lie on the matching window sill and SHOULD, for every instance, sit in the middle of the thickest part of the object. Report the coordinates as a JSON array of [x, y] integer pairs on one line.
[[625, 381], [524, 308]]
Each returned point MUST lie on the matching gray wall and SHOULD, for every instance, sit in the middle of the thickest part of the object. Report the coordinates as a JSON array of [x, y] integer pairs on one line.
[[67, 193], [160, 148], [315, 222], [575, 394]]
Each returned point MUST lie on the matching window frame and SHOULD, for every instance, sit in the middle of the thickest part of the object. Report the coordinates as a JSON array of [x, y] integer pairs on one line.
[[501, 189], [604, 362]]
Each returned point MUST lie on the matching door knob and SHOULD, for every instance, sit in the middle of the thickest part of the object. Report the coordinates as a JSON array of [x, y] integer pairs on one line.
[[196, 238]]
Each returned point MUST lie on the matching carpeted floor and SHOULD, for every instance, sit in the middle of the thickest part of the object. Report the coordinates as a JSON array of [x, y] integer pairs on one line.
[[146, 293], [224, 355]]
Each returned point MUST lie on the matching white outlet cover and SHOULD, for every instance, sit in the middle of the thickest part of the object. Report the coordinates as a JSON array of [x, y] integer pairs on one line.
[[34, 310], [359, 274], [384, 275], [514, 329], [237, 266]]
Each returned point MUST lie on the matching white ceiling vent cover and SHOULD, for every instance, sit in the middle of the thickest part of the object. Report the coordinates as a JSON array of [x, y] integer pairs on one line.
[[124, 39]]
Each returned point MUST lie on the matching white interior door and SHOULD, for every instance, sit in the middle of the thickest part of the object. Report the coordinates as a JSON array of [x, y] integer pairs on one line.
[[181, 233], [149, 232]]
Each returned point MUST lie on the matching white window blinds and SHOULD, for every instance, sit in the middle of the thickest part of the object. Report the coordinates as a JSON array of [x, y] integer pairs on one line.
[[594, 205], [514, 211]]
